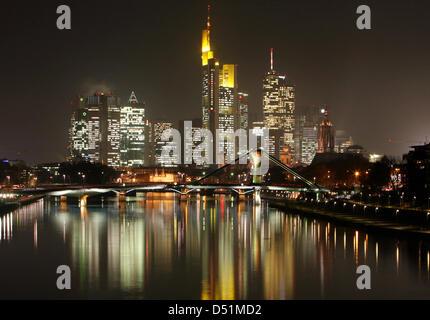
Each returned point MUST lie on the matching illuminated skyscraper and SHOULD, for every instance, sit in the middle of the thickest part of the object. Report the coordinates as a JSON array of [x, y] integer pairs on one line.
[[308, 121], [158, 128], [243, 110], [133, 128], [210, 78], [228, 115], [326, 135], [104, 116], [111, 155], [78, 131], [278, 109], [309, 143]]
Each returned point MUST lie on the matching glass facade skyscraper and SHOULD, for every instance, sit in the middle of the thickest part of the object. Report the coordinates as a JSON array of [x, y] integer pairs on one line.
[[279, 103], [243, 110], [95, 131], [78, 131], [210, 84], [133, 126]]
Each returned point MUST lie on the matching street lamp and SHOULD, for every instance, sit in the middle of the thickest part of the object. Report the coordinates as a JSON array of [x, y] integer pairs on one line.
[[83, 180], [64, 178]]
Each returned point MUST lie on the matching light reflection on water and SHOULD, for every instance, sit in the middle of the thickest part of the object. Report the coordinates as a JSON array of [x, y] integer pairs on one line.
[[205, 248]]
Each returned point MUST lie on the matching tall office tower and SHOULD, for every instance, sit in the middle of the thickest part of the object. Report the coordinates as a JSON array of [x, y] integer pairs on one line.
[[257, 130], [228, 100], [326, 135], [157, 130], [243, 110], [309, 143], [227, 113], [308, 120], [104, 134], [278, 111], [78, 131], [133, 128], [94, 106], [210, 84], [149, 144], [113, 146], [298, 135]]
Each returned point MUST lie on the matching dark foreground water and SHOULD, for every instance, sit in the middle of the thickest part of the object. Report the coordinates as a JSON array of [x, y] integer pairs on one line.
[[206, 248]]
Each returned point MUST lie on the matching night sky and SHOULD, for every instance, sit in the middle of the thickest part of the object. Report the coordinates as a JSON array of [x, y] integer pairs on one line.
[[375, 82]]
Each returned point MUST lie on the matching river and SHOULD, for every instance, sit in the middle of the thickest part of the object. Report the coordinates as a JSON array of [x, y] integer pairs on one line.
[[156, 247]]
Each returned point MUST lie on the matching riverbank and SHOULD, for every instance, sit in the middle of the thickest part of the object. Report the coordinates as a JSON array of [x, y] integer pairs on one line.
[[10, 206], [399, 223]]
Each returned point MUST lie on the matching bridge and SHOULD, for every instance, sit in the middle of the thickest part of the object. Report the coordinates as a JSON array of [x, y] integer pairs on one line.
[[197, 186]]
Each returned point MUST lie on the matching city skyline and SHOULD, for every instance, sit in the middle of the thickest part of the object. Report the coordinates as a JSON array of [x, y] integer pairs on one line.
[[215, 150], [353, 66]]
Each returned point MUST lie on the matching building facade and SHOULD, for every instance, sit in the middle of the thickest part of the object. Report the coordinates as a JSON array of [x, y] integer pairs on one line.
[[326, 135], [78, 131], [279, 111], [210, 81], [308, 120], [243, 110], [158, 127], [95, 131], [133, 128]]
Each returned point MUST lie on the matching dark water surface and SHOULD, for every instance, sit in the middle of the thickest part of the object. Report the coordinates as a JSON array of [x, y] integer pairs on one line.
[[156, 247]]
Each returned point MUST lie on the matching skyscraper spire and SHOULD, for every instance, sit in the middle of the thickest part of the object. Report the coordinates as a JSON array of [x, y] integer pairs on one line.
[[207, 54]]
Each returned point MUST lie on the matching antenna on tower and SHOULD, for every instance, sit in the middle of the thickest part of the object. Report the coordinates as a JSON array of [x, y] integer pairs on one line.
[[208, 23], [271, 59]]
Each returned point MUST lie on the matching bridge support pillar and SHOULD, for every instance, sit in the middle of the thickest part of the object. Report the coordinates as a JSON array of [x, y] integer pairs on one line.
[[121, 196], [83, 201], [257, 197]]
